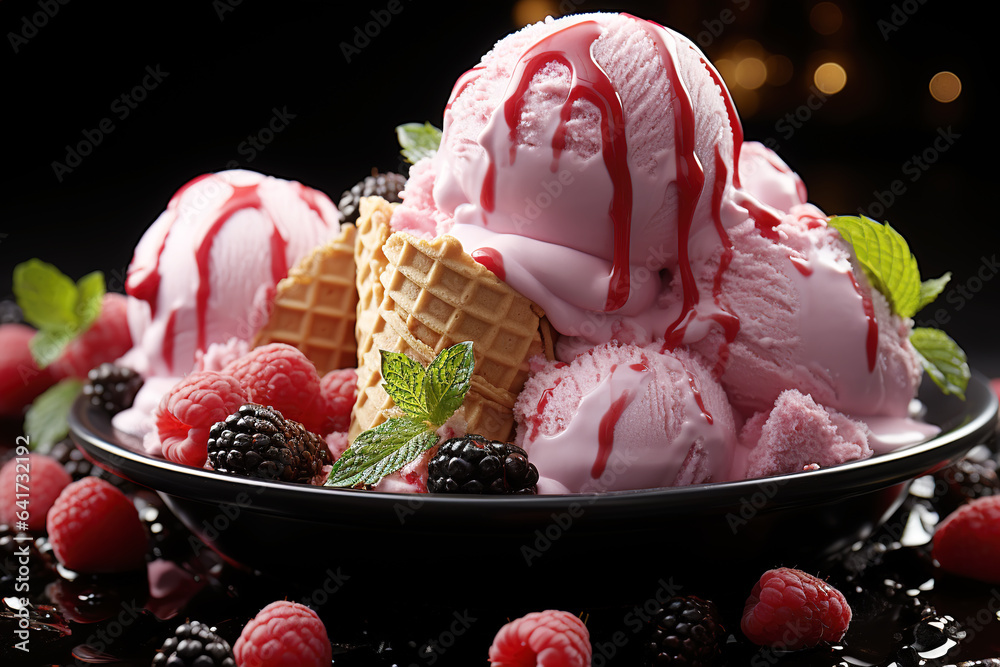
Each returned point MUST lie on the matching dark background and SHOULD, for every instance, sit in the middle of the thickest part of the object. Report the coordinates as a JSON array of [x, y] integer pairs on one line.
[[229, 65]]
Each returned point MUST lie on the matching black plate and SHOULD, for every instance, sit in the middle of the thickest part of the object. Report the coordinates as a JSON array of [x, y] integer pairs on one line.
[[630, 537]]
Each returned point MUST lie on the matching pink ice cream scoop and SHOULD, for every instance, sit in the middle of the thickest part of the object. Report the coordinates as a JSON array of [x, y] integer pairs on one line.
[[583, 155], [203, 272], [808, 320], [625, 417]]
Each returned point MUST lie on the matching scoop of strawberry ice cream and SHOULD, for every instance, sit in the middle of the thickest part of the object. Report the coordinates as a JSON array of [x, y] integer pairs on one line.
[[203, 271], [796, 433], [625, 417], [808, 320], [582, 153]]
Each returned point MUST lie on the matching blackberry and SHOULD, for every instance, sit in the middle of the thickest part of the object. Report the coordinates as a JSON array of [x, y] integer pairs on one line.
[[685, 631], [112, 387], [194, 645], [473, 464], [73, 461], [256, 441], [386, 186], [967, 480]]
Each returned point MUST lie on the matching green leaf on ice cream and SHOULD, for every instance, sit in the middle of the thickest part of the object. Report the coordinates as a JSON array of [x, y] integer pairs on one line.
[[886, 260], [930, 290], [381, 451], [427, 397], [892, 269], [418, 140], [447, 381], [60, 309], [943, 360]]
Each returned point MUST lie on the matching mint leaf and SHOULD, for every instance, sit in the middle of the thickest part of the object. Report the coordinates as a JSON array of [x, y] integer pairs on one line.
[[381, 451], [886, 260], [930, 289], [404, 378], [46, 296], [60, 309], [47, 345], [447, 380], [90, 296], [943, 360], [418, 141], [46, 423]]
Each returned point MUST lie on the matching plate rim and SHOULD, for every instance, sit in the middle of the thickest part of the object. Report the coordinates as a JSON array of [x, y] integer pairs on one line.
[[880, 471]]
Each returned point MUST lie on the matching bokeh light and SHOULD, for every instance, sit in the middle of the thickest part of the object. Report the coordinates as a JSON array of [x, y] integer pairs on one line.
[[727, 70], [751, 73], [826, 18], [532, 11], [779, 69], [830, 78], [945, 87]]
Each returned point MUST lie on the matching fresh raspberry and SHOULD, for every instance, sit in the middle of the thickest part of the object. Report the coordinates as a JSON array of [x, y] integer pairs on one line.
[[967, 543], [286, 633], [21, 381], [107, 339], [792, 610], [93, 527], [337, 393], [187, 412], [42, 480], [279, 376], [550, 638]]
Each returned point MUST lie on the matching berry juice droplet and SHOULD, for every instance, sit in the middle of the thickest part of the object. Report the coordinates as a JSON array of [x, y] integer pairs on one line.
[[491, 259]]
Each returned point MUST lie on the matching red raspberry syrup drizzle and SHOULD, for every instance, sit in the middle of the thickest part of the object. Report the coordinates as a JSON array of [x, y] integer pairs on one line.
[[492, 260], [572, 47], [147, 287]]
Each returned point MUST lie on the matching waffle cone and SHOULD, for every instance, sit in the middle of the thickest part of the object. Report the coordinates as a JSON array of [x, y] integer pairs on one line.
[[436, 295], [315, 307]]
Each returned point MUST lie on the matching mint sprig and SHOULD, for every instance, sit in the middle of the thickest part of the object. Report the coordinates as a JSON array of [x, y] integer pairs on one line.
[[930, 290], [46, 421], [427, 397], [886, 260], [418, 141], [60, 309], [943, 359]]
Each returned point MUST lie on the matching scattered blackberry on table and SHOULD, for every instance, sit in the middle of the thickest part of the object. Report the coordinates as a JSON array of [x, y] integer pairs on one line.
[[967, 480], [685, 631], [112, 387], [256, 441], [387, 186], [194, 645], [473, 464]]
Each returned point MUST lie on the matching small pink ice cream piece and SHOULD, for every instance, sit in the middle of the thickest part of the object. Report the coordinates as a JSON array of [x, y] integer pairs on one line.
[[204, 270], [766, 176], [797, 433], [808, 320], [625, 417]]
